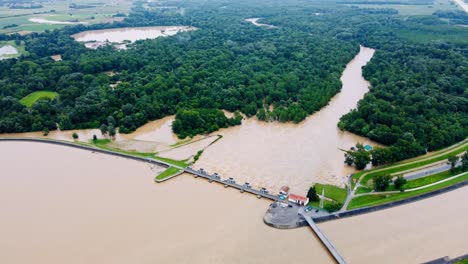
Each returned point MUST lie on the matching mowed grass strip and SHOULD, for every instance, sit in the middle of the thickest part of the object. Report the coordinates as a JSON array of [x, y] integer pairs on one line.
[[167, 173], [32, 98]]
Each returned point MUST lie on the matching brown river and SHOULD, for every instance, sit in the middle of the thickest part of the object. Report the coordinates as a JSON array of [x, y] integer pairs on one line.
[[64, 205], [264, 154]]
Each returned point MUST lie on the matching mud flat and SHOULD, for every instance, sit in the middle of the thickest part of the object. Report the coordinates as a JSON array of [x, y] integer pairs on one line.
[[274, 154], [64, 205]]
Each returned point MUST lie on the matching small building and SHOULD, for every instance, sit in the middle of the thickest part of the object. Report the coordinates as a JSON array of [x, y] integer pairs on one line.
[[368, 147], [300, 200], [284, 191]]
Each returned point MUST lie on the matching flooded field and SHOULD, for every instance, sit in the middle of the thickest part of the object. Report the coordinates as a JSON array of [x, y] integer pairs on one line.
[[54, 22], [275, 154], [7, 51], [118, 36], [254, 21], [96, 208]]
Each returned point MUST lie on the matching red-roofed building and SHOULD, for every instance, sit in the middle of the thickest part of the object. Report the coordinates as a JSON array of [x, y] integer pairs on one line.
[[284, 191], [300, 200]]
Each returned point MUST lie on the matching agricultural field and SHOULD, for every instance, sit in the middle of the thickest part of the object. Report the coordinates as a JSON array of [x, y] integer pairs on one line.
[[59, 11], [412, 8]]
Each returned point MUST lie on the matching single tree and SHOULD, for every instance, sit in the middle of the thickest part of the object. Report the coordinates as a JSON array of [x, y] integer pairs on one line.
[[349, 158], [381, 182], [104, 129], [112, 131], [312, 194], [75, 135], [452, 160], [361, 159], [94, 138], [399, 182], [464, 161]]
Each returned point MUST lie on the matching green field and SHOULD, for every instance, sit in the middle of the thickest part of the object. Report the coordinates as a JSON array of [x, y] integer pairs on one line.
[[32, 98], [60, 11], [332, 192]]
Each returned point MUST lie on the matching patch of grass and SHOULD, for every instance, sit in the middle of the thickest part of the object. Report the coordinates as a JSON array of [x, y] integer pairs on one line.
[[32, 98], [331, 191], [427, 180], [167, 173], [363, 190], [373, 200]]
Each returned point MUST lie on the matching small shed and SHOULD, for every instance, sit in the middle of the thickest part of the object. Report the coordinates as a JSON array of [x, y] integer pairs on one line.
[[284, 191]]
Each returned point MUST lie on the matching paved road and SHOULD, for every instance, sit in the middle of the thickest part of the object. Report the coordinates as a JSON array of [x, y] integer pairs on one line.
[[428, 171]]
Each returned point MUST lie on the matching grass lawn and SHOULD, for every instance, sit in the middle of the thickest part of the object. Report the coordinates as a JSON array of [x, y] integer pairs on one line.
[[32, 98], [372, 200], [333, 192], [363, 190], [167, 173]]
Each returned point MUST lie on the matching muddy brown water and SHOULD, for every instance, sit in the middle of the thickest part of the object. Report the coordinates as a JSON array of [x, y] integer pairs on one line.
[[65, 205], [275, 154], [132, 34]]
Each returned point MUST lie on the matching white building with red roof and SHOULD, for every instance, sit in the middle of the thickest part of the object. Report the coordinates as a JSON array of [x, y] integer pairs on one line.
[[300, 200]]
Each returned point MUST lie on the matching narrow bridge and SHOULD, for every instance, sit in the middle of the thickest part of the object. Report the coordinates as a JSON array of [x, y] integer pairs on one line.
[[327, 243]]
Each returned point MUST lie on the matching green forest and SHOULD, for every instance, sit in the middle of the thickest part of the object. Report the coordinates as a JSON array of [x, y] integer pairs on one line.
[[419, 74]]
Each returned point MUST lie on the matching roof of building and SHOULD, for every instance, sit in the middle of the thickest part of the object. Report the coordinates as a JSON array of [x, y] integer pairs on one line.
[[297, 197], [284, 189]]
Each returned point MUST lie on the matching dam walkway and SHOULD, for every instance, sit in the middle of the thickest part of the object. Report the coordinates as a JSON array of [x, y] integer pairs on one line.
[[327, 243]]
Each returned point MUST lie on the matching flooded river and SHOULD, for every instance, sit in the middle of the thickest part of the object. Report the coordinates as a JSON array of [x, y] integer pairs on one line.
[[64, 205], [264, 154], [276, 154], [95, 208]]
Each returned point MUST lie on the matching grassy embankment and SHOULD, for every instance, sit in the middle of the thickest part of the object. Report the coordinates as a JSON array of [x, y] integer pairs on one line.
[[168, 173], [30, 99], [372, 199], [103, 144], [409, 164]]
